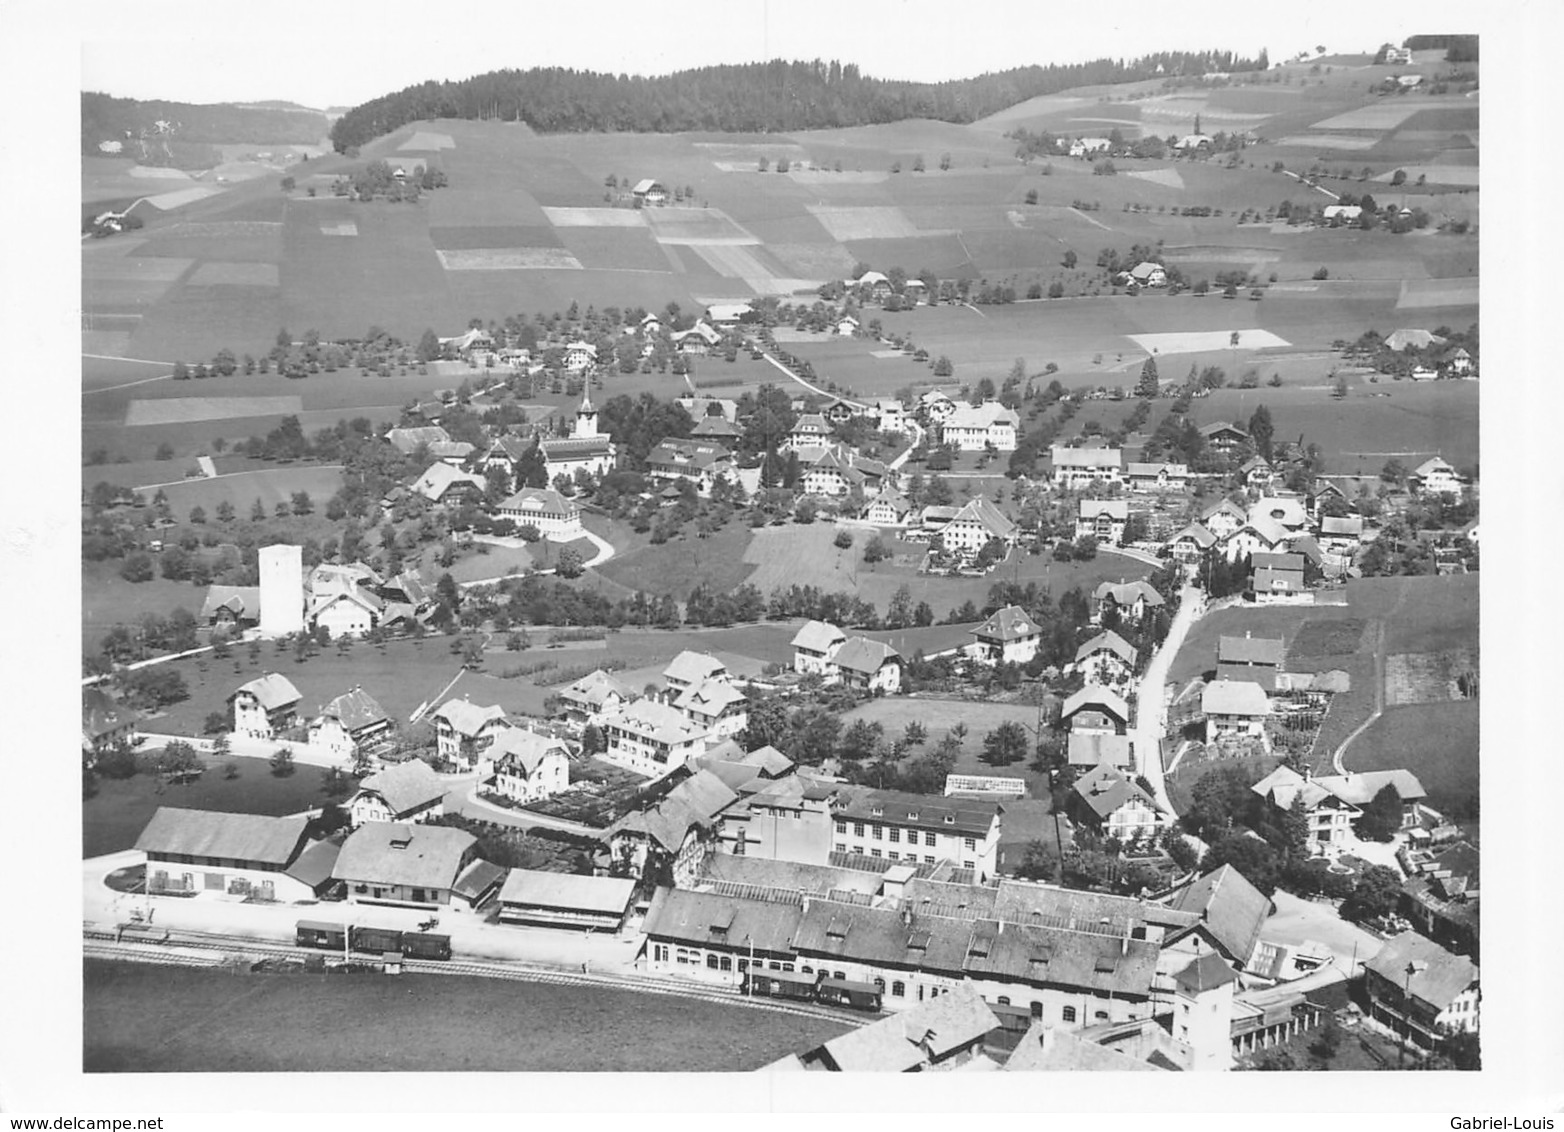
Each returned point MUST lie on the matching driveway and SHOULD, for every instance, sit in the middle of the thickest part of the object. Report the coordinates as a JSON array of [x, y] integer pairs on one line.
[[1298, 920], [1151, 706]]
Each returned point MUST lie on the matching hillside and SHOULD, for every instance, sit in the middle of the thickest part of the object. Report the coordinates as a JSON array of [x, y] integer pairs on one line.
[[185, 135]]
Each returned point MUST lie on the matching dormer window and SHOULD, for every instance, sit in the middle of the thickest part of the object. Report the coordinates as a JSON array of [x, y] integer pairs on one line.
[[912, 815], [877, 811], [950, 819]]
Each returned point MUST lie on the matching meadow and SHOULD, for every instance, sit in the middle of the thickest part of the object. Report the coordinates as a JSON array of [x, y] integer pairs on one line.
[[140, 1018], [938, 717]]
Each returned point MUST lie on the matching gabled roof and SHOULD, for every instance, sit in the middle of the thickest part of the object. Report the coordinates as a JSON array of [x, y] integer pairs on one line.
[[439, 478], [1269, 530], [1249, 650], [1401, 339], [645, 185], [1349, 526], [1284, 784], [402, 853], [207, 833], [695, 802], [991, 518], [1359, 789], [407, 440], [1223, 507], [355, 710], [1113, 508], [1197, 533], [704, 918], [101, 714], [1105, 789], [406, 786], [517, 746], [860, 654], [931, 1030], [466, 717], [273, 690], [1208, 972], [594, 689], [1231, 908], [605, 896], [681, 454], [1433, 465], [893, 499], [1086, 457], [1216, 428], [1142, 470], [1260, 674], [1234, 697], [241, 601], [1045, 1049], [1276, 560], [1008, 624], [984, 416], [656, 721], [1268, 580], [1107, 641], [540, 501], [1091, 748], [1438, 976], [1097, 698], [709, 697], [693, 667], [1127, 593]]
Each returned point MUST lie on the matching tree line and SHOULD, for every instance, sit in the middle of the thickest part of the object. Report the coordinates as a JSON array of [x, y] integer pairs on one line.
[[743, 98]]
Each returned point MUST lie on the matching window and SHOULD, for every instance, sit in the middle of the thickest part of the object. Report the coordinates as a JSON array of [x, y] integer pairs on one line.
[[895, 834], [1101, 1015], [841, 827], [808, 970], [725, 963], [898, 989], [877, 832], [928, 839], [950, 819], [787, 967], [928, 858], [798, 815], [660, 953], [841, 975], [775, 965], [857, 829], [1037, 1009], [1069, 1014], [711, 961], [738, 848], [875, 853], [1004, 1000], [894, 855], [743, 965], [841, 846], [970, 844]]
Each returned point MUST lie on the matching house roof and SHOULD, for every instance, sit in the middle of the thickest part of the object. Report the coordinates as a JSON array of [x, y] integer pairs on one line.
[[406, 786], [1104, 789], [1440, 976], [1344, 525], [1113, 508], [313, 866], [1146, 270], [1260, 674], [1091, 748], [273, 690], [718, 427], [1231, 908], [1107, 641], [477, 879], [991, 518], [407, 440], [607, 896], [1217, 428], [1359, 789], [241, 601], [1043, 1048], [1284, 784], [1401, 339], [703, 918], [517, 746], [1196, 532], [1208, 972], [355, 710], [1099, 698], [1063, 457], [1223, 507], [1269, 580], [928, 1031], [709, 697], [1140, 470], [467, 717], [683, 454], [1285, 511], [594, 689], [645, 185], [402, 853], [439, 478], [1008, 624], [782, 876], [984, 416], [565, 449], [1276, 560], [860, 654], [207, 833], [1433, 465], [1234, 697], [540, 501], [101, 714], [693, 667], [1127, 593], [893, 499], [1269, 530], [1250, 650], [969, 817], [656, 721]]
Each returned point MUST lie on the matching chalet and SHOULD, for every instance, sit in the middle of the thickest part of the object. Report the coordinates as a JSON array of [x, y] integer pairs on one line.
[[889, 415], [868, 666], [105, 724], [1106, 659], [810, 430], [1259, 534], [1157, 477], [974, 526], [688, 669], [564, 900], [1096, 708], [1255, 659], [351, 723], [1339, 214], [580, 356], [839, 412], [1094, 748], [648, 191], [1149, 274], [1079, 467], [1418, 988], [1010, 636], [506, 452], [529, 766], [1103, 520], [1256, 474], [1223, 518], [715, 706], [1324, 493], [1129, 600], [404, 864], [592, 697], [963, 831], [1223, 436], [1234, 708], [1189, 546], [697, 462], [406, 792], [890, 508], [555, 517], [1437, 477], [1111, 803], [1459, 362], [815, 646], [464, 732], [232, 607], [847, 326], [265, 706], [1361, 788], [448, 486], [651, 738], [974, 428], [201, 851]]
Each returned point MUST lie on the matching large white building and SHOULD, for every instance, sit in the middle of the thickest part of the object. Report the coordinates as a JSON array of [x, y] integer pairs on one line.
[[1078, 467], [282, 590], [556, 518], [652, 738], [585, 450], [971, 428]]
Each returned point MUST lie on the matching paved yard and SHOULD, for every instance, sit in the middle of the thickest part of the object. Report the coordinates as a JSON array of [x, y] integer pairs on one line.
[[1298, 920]]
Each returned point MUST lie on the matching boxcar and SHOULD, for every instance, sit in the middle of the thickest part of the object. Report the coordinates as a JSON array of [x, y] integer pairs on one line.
[[376, 941], [780, 984], [845, 992], [426, 945], [318, 933]]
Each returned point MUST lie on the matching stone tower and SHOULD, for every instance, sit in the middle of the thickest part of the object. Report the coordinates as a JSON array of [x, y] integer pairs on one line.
[[282, 590], [586, 417]]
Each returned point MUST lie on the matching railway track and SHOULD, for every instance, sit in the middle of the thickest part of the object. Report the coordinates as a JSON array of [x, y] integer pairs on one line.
[[209, 949]]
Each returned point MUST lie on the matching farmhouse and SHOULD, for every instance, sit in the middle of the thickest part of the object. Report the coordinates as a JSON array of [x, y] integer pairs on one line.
[[1078, 467], [555, 517], [529, 766], [345, 613], [1337, 214], [648, 191], [449, 486], [406, 792], [1234, 708], [847, 326], [1096, 708], [717, 428], [105, 724], [464, 732], [974, 526], [714, 706], [1106, 659], [868, 666], [699, 339], [232, 607], [1416, 987], [1148, 274], [964, 831], [1085, 147], [404, 864], [815, 646], [1127, 600], [1412, 339], [877, 286], [973, 428], [651, 738], [351, 723], [201, 851], [1224, 437], [837, 470], [1158, 477], [590, 698], [1103, 520], [1360, 789], [1108, 801], [890, 508], [562, 900], [1010, 636], [264, 706], [698, 462], [580, 356], [1437, 477], [726, 314]]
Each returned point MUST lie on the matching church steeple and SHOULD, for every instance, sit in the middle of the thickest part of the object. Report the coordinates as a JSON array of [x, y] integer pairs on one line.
[[586, 416]]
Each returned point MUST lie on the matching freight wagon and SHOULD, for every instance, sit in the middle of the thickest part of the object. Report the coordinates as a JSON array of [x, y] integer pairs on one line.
[[371, 941]]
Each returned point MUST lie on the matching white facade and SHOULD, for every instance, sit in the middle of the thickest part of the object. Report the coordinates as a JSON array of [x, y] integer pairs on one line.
[[972, 428], [345, 616], [282, 590]]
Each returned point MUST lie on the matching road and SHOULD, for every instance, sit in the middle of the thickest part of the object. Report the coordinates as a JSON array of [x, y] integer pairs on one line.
[[605, 551], [464, 800], [1151, 706], [1337, 759], [1299, 921]]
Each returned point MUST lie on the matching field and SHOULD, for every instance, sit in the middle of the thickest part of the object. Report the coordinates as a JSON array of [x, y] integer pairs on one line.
[[1439, 742], [113, 818], [271, 486], [140, 1018], [939, 716], [679, 565]]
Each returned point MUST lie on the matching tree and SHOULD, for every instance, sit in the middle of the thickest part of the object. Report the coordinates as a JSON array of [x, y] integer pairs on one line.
[[1260, 865], [1147, 385], [216, 723], [861, 740], [570, 563], [1261, 428], [257, 511], [282, 762], [943, 367], [1375, 896], [198, 515], [1004, 745], [1382, 816], [178, 759], [1070, 260], [1339, 387], [137, 568], [302, 504], [915, 735], [843, 540]]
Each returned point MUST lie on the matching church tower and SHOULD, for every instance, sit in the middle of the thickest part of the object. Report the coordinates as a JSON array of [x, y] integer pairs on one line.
[[586, 417]]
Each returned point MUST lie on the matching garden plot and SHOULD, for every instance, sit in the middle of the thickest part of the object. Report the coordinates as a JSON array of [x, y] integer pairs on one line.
[[455, 208], [617, 249], [1331, 141], [344, 228], [1380, 116], [1419, 293], [1428, 677], [1166, 177], [508, 259], [595, 217], [1203, 341], [185, 410], [235, 274], [427, 140], [696, 226], [878, 222]]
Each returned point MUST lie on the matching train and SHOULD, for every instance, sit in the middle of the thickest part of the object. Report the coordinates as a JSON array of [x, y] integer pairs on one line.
[[818, 987], [372, 941]]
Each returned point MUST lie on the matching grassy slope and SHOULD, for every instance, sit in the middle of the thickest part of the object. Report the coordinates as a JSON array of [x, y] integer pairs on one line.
[[148, 1019], [679, 565]]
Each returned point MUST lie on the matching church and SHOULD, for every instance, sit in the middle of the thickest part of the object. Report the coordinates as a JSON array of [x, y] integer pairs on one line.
[[586, 449]]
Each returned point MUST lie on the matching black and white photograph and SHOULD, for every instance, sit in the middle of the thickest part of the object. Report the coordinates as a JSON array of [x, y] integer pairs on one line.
[[786, 538]]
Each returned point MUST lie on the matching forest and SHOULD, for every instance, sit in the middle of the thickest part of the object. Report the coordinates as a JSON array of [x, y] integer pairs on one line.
[[744, 98], [195, 127]]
